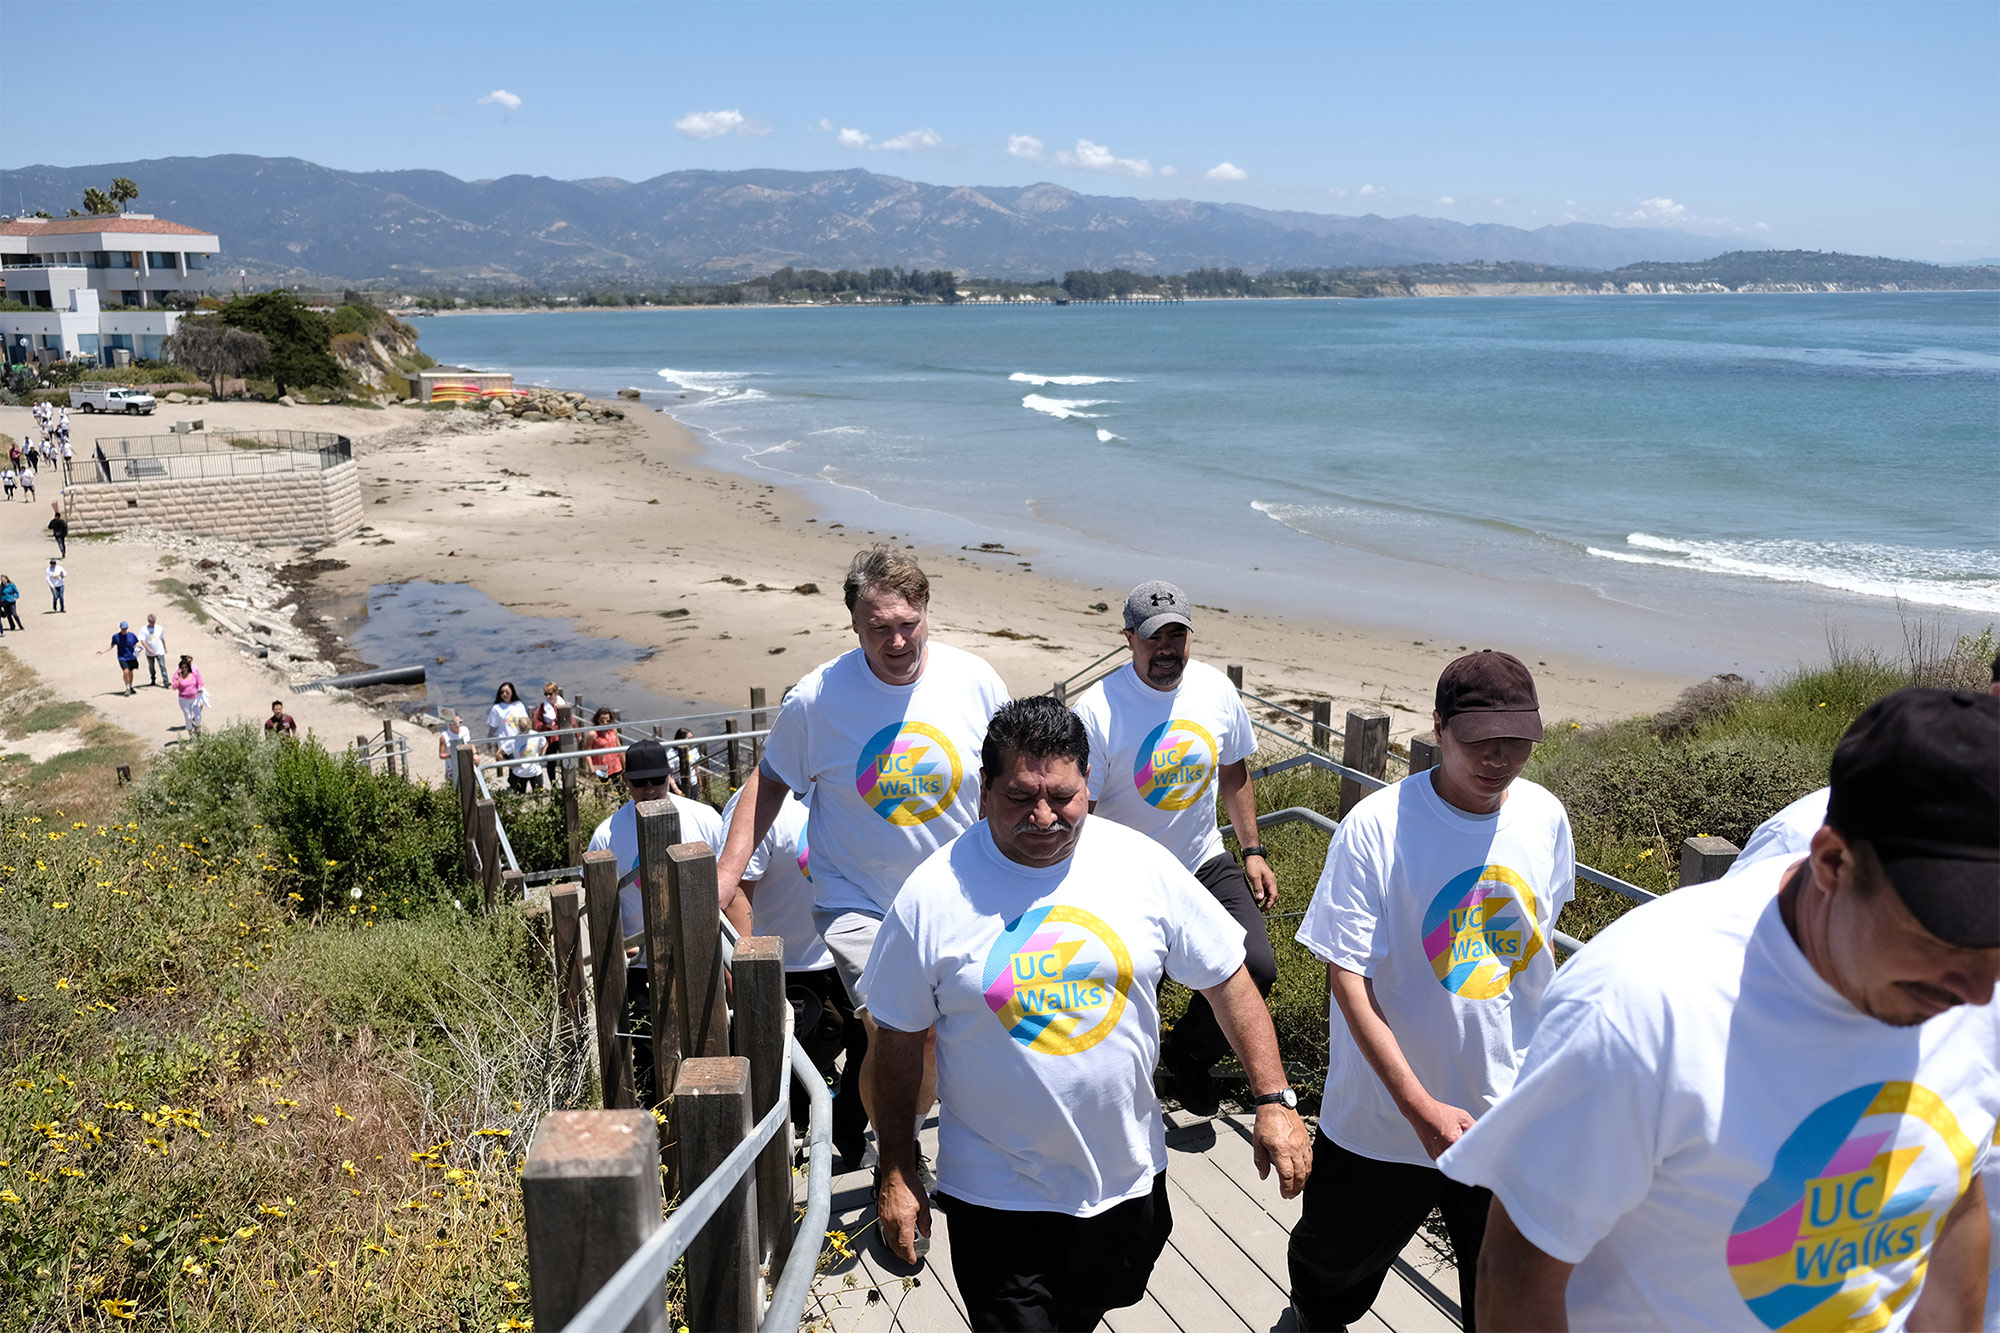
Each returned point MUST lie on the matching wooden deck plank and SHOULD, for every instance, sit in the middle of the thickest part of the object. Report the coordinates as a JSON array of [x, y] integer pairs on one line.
[[1219, 1259], [1254, 1231], [1145, 1317], [1188, 1300]]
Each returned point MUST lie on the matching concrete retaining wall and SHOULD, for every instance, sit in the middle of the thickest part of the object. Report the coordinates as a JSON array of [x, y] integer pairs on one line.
[[310, 508]]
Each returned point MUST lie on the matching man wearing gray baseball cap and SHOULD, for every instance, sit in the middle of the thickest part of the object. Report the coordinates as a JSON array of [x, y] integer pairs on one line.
[[1167, 735]]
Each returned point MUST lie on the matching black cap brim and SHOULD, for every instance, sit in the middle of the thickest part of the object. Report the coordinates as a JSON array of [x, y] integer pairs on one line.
[[1957, 900], [1488, 724]]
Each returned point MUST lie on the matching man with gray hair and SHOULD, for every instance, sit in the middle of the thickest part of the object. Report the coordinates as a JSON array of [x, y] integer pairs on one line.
[[885, 738]]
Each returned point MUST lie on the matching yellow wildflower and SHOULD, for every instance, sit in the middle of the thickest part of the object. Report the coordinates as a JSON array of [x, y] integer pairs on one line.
[[245, 1233], [8, 1196], [123, 1309]]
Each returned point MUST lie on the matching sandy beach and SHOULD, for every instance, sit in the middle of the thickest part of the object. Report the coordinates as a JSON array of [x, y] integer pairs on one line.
[[730, 583]]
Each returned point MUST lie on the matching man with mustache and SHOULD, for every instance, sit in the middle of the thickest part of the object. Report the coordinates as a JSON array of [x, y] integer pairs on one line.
[[1169, 734], [1032, 948]]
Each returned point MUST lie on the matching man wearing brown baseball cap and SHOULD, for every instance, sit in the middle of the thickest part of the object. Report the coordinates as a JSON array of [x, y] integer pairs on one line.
[[1434, 916], [1775, 1093]]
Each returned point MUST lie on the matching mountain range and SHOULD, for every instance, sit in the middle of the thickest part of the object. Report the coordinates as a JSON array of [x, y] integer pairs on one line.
[[288, 219]]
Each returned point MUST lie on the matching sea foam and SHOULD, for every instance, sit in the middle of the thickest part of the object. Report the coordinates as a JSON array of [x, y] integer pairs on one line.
[[1965, 580], [1064, 408], [1023, 377]]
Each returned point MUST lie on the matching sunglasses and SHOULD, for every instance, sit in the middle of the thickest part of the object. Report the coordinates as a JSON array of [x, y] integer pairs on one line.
[[646, 782]]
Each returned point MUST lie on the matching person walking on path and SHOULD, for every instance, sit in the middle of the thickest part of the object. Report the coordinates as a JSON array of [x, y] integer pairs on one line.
[[777, 887], [451, 735], [28, 483], [1433, 915], [1033, 948], [505, 721], [609, 765], [59, 529], [127, 644], [154, 640], [280, 722], [57, 578], [187, 684], [68, 464], [1169, 735], [8, 480], [10, 602], [883, 738], [1771, 1094]]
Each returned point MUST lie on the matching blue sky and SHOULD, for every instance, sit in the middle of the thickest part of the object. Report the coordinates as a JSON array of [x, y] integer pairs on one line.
[[1861, 127]]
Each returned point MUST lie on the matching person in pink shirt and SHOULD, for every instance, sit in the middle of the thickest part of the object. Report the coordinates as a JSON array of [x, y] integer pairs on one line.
[[187, 684]]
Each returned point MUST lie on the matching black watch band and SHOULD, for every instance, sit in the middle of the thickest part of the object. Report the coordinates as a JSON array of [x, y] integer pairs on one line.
[[1249, 852], [1285, 1097]]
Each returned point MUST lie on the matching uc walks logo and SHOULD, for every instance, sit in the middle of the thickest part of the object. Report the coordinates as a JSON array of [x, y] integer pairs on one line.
[[1480, 932], [1175, 765], [1057, 979], [908, 773]]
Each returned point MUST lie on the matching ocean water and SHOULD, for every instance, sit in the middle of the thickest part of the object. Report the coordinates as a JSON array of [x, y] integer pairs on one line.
[[1692, 483]]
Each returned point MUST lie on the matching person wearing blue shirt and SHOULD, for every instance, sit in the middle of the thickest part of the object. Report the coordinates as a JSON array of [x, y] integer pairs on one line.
[[127, 644]]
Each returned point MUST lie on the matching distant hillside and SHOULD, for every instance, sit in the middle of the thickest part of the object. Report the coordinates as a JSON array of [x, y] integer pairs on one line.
[[291, 220]]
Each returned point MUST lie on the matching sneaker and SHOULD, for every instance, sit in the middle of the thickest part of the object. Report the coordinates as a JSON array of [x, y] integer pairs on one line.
[[926, 1176], [922, 1242]]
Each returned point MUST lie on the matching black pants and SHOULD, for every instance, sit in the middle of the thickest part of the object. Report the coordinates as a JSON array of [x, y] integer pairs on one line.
[[1198, 1039], [824, 1022], [1358, 1215], [8, 610], [1050, 1271]]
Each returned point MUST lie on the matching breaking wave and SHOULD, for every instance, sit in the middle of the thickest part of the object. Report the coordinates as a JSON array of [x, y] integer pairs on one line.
[[1064, 408], [1023, 377], [1964, 580]]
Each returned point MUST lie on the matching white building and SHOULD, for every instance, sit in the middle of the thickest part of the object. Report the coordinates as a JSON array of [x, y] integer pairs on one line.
[[97, 286]]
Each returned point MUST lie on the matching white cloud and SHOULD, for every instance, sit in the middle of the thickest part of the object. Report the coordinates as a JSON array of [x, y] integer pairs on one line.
[[1338, 192], [1170, 170], [1096, 157], [1499, 200], [1569, 203], [911, 140], [1370, 191], [1227, 171], [1446, 201], [503, 99], [1760, 226], [854, 139], [1664, 212], [827, 125], [1024, 146], [715, 124]]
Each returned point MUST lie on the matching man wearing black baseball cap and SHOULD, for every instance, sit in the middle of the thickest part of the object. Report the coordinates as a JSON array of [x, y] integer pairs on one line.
[[1774, 1093], [1433, 915], [649, 775]]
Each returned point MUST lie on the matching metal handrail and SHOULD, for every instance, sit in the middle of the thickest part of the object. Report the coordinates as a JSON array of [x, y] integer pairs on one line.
[[556, 756], [1064, 685], [1279, 708], [499, 825], [627, 1291], [583, 728]]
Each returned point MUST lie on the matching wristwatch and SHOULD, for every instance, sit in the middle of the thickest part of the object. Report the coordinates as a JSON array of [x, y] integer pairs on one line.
[[1285, 1097], [1249, 852]]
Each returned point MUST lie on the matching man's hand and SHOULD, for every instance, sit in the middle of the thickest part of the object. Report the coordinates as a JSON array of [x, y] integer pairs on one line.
[[1438, 1124], [1263, 881], [905, 1213], [1280, 1140]]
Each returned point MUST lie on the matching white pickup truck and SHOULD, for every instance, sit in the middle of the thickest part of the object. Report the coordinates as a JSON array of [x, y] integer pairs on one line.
[[110, 398]]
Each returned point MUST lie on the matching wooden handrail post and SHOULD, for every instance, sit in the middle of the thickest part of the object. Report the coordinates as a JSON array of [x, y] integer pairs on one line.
[[712, 1099], [763, 1037], [486, 838], [463, 758], [1236, 678], [389, 750], [591, 1194], [697, 929], [607, 966], [1423, 754], [513, 886], [659, 828], [566, 941], [734, 749], [1706, 858], [1365, 748], [566, 775], [758, 722], [361, 743], [1323, 725]]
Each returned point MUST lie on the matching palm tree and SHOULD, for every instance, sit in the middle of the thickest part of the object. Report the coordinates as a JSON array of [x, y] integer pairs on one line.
[[123, 192]]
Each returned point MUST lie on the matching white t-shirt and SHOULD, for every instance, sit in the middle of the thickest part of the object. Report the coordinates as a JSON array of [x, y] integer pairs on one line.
[[1789, 833], [55, 574], [1154, 754], [154, 638], [782, 903], [508, 721], [451, 739], [1449, 915], [1717, 1139], [1042, 985], [893, 769], [620, 835]]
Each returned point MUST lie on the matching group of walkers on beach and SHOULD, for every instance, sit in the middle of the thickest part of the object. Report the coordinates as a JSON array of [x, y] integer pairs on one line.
[[148, 643], [1768, 1101], [46, 451]]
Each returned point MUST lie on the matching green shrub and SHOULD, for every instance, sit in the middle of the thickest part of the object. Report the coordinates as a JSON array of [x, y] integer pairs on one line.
[[535, 827]]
